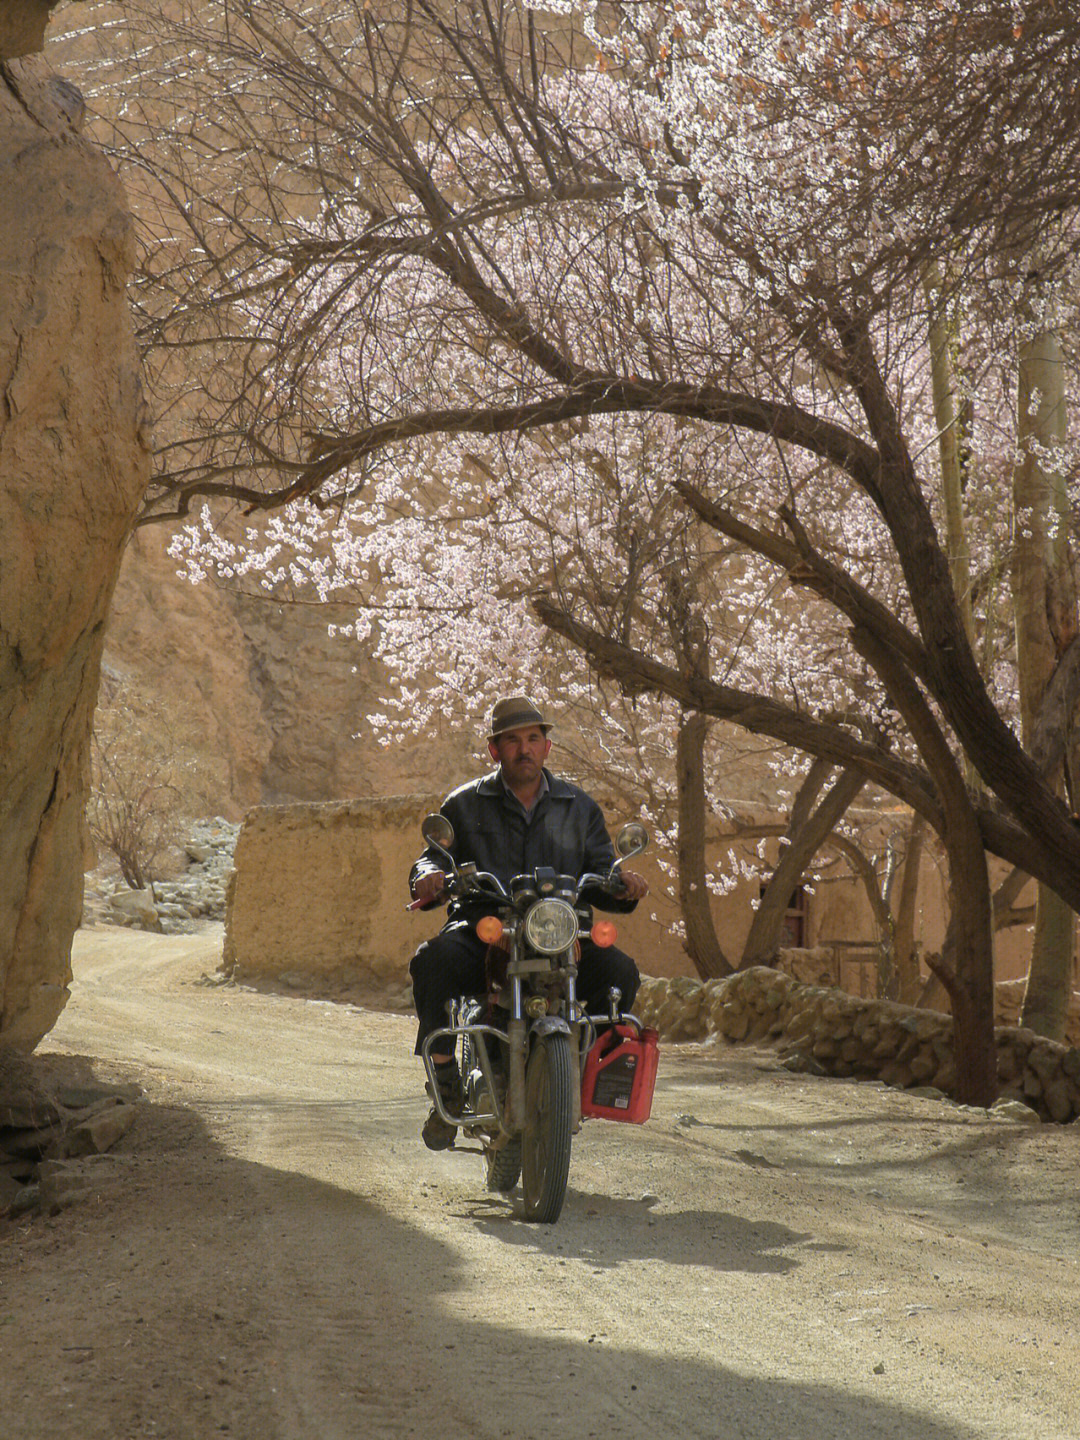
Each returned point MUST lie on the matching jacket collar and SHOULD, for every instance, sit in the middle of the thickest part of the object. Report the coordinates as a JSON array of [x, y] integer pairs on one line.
[[557, 789]]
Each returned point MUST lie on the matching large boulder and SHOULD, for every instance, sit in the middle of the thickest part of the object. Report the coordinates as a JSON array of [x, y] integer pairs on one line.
[[74, 461]]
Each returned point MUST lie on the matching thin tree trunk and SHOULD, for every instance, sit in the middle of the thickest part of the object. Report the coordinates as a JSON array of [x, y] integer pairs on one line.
[[909, 978], [1005, 898], [702, 944], [1045, 620], [950, 448], [805, 837], [1049, 983]]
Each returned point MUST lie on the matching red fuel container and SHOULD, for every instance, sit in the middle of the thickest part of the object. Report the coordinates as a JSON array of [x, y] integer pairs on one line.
[[620, 1075]]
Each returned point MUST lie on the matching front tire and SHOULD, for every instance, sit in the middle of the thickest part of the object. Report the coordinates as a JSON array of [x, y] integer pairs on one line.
[[549, 1118], [504, 1166]]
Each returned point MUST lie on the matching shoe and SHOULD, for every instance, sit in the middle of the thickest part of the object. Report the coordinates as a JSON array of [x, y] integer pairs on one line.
[[437, 1134]]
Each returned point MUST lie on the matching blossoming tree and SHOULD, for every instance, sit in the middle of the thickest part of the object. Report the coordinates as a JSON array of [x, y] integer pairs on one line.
[[436, 241]]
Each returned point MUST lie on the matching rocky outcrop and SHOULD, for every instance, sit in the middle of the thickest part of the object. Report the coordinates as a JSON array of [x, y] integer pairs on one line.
[[74, 459], [273, 710], [830, 1033], [53, 1145], [175, 906], [22, 26]]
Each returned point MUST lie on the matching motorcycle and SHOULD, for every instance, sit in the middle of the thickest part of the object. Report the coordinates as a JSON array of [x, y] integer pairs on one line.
[[533, 1063]]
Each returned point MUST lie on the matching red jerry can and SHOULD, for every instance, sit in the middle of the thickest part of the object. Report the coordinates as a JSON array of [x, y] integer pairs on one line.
[[620, 1075]]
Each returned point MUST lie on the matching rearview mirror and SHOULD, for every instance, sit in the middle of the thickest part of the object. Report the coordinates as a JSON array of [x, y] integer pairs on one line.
[[438, 831], [631, 840]]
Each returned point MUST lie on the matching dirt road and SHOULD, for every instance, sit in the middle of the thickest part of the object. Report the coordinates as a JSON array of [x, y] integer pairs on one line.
[[272, 1254]]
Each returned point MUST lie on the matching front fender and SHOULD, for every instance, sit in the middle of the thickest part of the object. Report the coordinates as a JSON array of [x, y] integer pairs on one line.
[[548, 1025]]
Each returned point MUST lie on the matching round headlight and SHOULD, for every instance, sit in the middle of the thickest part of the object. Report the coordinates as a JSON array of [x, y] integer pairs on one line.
[[551, 926]]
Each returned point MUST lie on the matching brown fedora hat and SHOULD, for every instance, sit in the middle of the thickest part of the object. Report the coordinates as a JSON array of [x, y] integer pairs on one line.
[[515, 712]]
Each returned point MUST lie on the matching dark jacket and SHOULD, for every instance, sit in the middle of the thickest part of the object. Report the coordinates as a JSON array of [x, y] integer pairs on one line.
[[566, 830]]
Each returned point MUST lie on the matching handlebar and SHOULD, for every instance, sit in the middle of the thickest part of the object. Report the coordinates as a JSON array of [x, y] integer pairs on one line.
[[464, 888], [600, 882], [465, 881]]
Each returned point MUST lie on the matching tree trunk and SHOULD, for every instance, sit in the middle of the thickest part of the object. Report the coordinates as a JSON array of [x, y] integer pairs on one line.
[[969, 952], [909, 978], [967, 970], [1049, 982], [702, 944], [951, 674], [1045, 621], [950, 449], [806, 835], [74, 465]]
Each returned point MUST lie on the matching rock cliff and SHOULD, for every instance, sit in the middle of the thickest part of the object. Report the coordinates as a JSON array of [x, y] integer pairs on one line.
[[270, 704], [74, 459]]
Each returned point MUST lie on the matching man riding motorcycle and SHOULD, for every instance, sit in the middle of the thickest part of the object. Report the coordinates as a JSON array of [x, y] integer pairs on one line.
[[508, 822]]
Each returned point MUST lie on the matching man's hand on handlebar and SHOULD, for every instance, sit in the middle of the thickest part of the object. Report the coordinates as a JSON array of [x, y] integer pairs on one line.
[[429, 889], [635, 886]]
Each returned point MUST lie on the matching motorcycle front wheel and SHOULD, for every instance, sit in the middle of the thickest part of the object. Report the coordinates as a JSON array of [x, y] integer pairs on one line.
[[504, 1167], [549, 1118]]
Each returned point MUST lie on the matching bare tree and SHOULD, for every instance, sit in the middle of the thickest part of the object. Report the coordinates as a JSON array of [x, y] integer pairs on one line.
[[812, 824], [134, 767]]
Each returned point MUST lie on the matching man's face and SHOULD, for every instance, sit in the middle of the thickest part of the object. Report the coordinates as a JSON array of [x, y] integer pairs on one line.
[[521, 753]]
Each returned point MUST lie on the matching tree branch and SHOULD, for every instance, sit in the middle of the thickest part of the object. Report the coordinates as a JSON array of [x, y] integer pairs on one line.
[[634, 671], [602, 396]]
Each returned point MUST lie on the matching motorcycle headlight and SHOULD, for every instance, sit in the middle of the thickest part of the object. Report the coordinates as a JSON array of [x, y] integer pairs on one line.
[[551, 926]]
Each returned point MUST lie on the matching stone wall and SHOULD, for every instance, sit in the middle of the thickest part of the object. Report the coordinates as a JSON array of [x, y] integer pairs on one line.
[[827, 1032]]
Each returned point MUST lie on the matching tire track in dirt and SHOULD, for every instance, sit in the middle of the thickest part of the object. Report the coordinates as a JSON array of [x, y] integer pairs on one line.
[[769, 1257]]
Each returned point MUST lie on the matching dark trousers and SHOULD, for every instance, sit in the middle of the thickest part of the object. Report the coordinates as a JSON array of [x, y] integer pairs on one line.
[[452, 963]]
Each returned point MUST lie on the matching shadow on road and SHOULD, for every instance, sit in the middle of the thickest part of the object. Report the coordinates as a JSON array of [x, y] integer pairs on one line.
[[712, 1238], [208, 1294]]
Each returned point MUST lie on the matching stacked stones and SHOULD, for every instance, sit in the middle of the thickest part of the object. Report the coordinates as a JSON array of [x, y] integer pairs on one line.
[[827, 1032], [1009, 1001], [53, 1147], [174, 906]]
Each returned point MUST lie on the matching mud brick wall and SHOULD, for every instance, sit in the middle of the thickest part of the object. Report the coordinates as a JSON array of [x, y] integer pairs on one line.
[[320, 891]]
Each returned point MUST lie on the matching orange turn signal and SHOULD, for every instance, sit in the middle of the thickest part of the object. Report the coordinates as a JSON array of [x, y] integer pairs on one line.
[[603, 933], [489, 929]]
